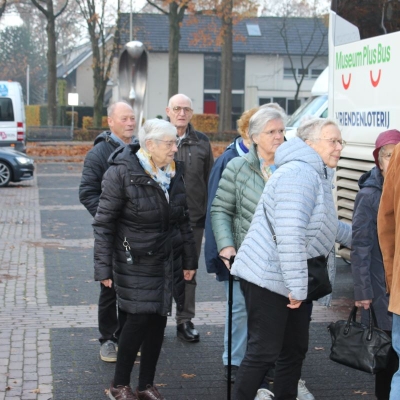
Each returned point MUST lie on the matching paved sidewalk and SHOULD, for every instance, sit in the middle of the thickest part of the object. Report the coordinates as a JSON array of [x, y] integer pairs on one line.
[[48, 312]]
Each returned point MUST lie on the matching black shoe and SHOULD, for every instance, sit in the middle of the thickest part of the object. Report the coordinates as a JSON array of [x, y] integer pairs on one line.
[[187, 332], [234, 370]]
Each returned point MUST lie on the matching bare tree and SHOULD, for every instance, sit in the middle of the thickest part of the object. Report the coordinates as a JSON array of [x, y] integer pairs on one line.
[[3, 4], [47, 8], [311, 48], [225, 109], [103, 53], [176, 12]]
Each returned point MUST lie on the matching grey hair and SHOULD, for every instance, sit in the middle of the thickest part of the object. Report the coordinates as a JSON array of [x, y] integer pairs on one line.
[[112, 106], [180, 94], [262, 117], [156, 129], [311, 129]]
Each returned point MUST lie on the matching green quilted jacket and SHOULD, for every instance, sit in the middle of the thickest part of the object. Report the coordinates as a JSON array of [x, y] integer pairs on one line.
[[235, 202]]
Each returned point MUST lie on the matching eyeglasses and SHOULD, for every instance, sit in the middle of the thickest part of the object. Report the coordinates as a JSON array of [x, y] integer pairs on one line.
[[274, 132], [334, 142], [178, 109], [169, 143]]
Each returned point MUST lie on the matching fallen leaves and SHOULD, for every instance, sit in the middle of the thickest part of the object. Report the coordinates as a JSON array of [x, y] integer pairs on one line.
[[319, 348], [35, 390], [188, 376]]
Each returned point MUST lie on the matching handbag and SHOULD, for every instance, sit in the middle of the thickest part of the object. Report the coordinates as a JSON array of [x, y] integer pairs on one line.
[[365, 348], [319, 284]]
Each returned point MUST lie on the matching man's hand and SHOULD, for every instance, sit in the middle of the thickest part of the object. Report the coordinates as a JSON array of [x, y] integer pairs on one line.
[[363, 303], [188, 274], [107, 283], [294, 303], [226, 253]]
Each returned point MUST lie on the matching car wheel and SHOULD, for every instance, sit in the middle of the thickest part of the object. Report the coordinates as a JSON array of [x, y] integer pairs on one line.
[[5, 174]]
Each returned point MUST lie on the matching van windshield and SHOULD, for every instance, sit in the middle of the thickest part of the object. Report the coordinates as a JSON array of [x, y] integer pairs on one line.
[[6, 110], [309, 108]]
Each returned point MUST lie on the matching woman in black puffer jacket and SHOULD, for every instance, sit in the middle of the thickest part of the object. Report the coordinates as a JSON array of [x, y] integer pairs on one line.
[[142, 234]]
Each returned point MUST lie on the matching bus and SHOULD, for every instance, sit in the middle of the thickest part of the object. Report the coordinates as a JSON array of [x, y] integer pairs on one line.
[[363, 97]]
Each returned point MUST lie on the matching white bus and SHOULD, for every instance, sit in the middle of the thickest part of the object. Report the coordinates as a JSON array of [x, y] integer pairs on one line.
[[364, 89]]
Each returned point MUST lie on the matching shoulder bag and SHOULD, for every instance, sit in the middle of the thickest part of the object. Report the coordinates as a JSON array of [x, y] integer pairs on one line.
[[365, 348], [319, 284]]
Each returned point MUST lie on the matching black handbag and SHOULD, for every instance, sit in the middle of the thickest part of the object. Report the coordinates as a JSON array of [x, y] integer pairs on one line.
[[319, 284], [365, 348]]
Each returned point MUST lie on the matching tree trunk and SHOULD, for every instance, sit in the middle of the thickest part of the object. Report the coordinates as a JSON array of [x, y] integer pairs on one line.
[[51, 66], [174, 38], [225, 105]]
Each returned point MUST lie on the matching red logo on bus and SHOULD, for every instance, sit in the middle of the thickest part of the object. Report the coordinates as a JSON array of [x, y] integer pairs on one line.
[[346, 84], [375, 82], [3, 135]]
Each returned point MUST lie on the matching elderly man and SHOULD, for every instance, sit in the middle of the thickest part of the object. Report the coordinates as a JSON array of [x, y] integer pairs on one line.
[[121, 121], [195, 150]]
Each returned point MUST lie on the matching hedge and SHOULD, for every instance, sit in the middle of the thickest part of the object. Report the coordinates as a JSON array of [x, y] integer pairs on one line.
[[206, 123]]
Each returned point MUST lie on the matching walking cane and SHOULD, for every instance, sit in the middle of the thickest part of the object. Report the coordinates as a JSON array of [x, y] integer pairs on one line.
[[230, 303]]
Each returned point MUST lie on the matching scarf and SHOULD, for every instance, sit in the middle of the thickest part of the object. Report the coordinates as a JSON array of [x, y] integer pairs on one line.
[[161, 176], [266, 169]]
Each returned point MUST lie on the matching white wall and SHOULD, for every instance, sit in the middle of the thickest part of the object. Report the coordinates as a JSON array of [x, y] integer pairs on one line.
[[264, 78], [191, 78]]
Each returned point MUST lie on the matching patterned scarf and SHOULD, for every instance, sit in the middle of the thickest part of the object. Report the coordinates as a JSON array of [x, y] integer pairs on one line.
[[266, 169], [161, 176]]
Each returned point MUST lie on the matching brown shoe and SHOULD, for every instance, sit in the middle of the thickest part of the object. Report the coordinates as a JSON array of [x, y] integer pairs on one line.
[[151, 393], [121, 393]]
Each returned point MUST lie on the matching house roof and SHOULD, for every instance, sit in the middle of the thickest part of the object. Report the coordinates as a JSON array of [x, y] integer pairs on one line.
[[74, 58], [199, 33]]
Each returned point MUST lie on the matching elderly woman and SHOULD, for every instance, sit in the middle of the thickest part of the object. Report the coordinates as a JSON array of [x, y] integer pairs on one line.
[[239, 191], [239, 148], [366, 256], [142, 232], [298, 202]]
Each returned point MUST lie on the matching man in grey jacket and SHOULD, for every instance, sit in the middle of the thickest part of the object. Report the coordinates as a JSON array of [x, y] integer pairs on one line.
[[195, 150]]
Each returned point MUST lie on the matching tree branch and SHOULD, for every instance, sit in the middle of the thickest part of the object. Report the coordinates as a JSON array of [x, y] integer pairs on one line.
[[157, 6], [42, 9], [61, 10]]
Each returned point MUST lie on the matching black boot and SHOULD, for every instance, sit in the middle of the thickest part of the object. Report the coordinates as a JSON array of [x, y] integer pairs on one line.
[[187, 332]]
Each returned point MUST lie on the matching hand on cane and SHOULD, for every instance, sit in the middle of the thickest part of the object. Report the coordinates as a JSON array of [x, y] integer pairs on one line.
[[225, 255]]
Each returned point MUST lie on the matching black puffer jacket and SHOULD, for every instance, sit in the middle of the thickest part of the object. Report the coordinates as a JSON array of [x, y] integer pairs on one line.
[[94, 167], [366, 256], [133, 207]]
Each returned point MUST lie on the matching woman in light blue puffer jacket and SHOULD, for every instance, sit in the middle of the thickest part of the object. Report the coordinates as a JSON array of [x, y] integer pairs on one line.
[[299, 203]]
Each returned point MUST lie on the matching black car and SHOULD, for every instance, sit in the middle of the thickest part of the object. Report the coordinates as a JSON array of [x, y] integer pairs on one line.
[[14, 166]]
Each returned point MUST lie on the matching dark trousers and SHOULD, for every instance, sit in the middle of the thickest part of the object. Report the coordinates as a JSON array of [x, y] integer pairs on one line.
[[383, 379], [107, 314], [145, 332], [189, 307], [277, 335]]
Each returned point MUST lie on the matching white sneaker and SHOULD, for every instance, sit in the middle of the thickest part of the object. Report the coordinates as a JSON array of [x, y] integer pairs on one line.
[[264, 394], [302, 392]]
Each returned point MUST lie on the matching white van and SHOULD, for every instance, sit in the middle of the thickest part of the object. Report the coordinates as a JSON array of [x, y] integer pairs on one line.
[[316, 106], [12, 116]]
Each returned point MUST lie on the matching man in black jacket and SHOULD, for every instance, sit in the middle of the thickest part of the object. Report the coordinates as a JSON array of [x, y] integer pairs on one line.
[[195, 150], [121, 121]]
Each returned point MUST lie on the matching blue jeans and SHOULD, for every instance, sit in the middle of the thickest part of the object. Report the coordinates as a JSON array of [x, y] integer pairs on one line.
[[239, 326], [395, 387]]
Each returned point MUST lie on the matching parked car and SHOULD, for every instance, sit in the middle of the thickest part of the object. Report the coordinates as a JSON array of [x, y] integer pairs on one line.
[[14, 166]]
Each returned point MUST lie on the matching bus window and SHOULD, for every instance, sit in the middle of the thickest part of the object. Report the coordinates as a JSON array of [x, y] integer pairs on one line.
[[6, 110]]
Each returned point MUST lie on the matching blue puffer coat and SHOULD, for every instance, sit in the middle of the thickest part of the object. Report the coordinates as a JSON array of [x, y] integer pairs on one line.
[[214, 264], [366, 256], [299, 203]]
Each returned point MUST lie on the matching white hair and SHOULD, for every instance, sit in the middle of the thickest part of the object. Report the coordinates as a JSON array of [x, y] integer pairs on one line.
[[156, 129], [170, 105], [311, 129]]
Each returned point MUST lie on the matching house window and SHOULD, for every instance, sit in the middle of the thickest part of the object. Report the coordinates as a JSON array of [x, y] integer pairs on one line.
[[287, 104], [253, 30], [212, 72], [212, 85], [315, 73], [212, 104]]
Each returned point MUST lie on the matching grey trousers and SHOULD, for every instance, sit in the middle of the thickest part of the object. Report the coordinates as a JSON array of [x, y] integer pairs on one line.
[[189, 306]]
